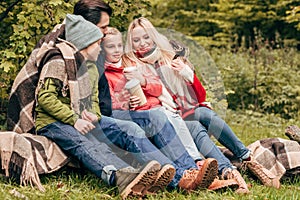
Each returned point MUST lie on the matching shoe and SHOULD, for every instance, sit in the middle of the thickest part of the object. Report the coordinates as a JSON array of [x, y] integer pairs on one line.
[[194, 178], [131, 182], [220, 184], [235, 174], [264, 175], [293, 132], [164, 177], [200, 163]]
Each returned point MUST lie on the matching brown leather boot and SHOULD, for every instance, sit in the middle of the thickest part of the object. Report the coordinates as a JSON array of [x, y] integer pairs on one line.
[[164, 177], [131, 182], [264, 175], [235, 174], [194, 178], [220, 184]]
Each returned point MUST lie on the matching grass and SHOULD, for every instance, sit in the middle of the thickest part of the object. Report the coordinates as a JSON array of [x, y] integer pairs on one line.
[[70, 184]]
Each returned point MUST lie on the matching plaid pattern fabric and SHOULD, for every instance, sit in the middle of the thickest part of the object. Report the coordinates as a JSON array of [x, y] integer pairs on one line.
[[25, 156], [20, 113], [276, 154]]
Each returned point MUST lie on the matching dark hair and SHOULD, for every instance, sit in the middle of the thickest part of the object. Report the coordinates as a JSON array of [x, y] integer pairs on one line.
[[91, 10]]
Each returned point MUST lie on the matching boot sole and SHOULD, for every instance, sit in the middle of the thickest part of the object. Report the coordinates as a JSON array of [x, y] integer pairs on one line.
[[271, 180], [208, 173], [164, 177], [145, 178], [230, 183]]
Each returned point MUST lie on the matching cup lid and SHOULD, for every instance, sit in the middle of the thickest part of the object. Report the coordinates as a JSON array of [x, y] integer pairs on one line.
[[131, 83], [129, 69]]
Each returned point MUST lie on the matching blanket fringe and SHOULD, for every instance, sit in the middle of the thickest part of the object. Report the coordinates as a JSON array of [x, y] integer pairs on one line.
[[5, 158], [24, 172]]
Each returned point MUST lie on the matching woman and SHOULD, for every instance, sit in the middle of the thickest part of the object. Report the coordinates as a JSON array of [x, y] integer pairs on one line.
[[143, 48], [187, 91]]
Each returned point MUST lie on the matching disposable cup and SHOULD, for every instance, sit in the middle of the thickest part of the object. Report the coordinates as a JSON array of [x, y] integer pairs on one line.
[[129, 69], [135, 89]]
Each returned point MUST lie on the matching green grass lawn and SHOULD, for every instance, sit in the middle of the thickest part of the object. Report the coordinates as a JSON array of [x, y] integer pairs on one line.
[[70, 184]]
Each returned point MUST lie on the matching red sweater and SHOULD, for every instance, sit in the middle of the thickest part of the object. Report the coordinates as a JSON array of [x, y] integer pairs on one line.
[[117, 81]]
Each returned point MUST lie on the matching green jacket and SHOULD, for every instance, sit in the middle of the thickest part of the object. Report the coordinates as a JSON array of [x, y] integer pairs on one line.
[[52, 106]]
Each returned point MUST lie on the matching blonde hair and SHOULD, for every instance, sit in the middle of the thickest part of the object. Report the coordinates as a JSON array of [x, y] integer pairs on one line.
[[167, 52], [111, 31]]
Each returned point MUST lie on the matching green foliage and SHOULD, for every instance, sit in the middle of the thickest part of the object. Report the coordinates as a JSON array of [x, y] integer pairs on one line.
[[124, 11], [262, 80], [293, 16], [227, 22]]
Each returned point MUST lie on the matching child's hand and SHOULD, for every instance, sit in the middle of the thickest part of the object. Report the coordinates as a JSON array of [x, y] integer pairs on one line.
[[134, 102], [88, 116], [137, 75], [124, 95], [83, 126]]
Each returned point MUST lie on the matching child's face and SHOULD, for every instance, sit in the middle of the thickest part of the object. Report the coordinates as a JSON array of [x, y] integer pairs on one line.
[[93, 51], [113, 47]]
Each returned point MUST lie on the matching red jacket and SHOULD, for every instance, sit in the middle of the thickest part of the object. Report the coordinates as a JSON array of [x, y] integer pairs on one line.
[[197, 92], [117, 81]]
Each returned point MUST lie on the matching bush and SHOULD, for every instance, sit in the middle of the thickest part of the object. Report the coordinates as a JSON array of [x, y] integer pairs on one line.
[[263, 80]]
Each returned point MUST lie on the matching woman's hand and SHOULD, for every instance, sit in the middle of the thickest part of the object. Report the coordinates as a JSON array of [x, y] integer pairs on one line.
[[88, 116], [177, 64], [83, 126], [137, 75], [134, 102]]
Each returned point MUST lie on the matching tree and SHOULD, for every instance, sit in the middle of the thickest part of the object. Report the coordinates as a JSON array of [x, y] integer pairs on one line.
[[230, 22]]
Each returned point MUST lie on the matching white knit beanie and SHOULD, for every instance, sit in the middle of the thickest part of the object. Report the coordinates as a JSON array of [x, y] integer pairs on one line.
[[81, 32]]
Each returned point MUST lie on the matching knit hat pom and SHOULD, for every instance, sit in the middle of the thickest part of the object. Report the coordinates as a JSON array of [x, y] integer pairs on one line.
[[81, 32]]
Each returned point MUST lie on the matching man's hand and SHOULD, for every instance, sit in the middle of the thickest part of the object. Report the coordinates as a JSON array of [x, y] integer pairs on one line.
[[83, 126]]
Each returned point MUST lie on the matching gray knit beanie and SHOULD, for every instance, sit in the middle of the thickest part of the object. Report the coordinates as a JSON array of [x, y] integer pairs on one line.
[[81, 32]]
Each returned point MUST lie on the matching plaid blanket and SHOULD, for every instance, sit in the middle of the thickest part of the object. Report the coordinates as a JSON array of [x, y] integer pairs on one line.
[[276, 154], [20, 113], [22, 97], [25, 156]]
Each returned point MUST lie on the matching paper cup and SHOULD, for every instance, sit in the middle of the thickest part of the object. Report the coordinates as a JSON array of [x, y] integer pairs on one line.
[[129, 69], [135, 89]]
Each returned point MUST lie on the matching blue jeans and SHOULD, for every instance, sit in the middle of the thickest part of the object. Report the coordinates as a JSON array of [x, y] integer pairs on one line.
[[221, 131], [127, 137], [161, 133], [95, 156], [94, 153], [206, 146]]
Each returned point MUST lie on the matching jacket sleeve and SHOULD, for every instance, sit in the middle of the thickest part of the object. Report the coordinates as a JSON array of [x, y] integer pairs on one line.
[[104, 95], [199, 89], [48, 100], [94, 77]]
